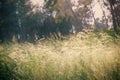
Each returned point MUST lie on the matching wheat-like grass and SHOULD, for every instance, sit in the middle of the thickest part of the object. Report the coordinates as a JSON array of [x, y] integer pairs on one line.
[[81, 57]]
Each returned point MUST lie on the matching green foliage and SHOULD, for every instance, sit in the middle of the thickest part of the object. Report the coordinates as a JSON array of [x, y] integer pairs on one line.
[[59, 20], [7, 66]]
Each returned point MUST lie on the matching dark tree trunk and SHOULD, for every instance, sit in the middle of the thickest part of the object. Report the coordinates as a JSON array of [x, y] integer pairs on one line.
[[113, 16]]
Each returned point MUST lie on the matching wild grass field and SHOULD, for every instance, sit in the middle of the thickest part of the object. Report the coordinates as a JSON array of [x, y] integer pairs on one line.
[[85, 56]]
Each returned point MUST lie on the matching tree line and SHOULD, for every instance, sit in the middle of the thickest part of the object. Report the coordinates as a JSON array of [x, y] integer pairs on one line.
[[18, 20]]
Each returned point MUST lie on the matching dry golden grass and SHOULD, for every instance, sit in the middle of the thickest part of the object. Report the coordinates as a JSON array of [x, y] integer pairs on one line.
[[82, 57]]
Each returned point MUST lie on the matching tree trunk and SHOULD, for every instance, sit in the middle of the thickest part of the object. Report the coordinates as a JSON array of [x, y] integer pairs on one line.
[[113, 17]]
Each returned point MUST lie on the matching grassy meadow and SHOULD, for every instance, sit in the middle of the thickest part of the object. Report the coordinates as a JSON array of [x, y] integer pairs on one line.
[[84, 56]]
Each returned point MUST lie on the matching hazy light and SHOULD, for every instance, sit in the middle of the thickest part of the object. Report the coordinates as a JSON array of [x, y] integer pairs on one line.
[[38, 5], [37, 2]]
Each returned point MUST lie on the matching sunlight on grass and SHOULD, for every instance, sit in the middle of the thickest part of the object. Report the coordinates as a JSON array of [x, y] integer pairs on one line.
[[82, 57]]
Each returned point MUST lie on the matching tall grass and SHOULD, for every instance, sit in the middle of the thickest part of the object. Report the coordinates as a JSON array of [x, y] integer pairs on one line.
[[83, 56]]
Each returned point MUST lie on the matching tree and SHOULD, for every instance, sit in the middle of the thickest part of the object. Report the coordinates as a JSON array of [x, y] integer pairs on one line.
[[115, 8], [64, 10], [7, 19]]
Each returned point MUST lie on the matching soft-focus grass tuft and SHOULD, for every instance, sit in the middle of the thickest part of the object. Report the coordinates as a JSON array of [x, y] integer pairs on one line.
[[7, 66]]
